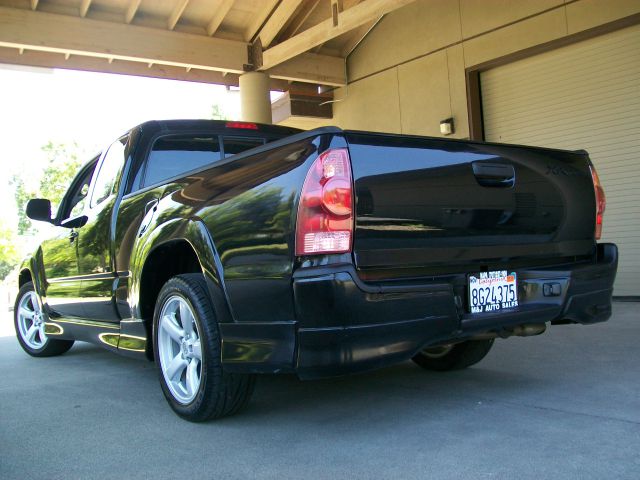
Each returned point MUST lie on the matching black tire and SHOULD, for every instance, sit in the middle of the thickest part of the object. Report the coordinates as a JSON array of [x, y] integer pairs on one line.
[[51, 346], [454, 357], [220, 393]]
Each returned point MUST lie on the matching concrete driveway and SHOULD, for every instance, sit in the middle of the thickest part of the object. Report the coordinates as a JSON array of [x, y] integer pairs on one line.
[[563, 405]]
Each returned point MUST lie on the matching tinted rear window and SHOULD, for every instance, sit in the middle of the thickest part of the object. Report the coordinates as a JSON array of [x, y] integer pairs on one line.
[[177, 154], [234, 145]]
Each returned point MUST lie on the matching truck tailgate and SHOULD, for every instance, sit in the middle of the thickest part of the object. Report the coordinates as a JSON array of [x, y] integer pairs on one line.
[[428, 203]]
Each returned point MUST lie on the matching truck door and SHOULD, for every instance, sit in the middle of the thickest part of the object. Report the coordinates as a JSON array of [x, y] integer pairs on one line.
[[59, 252], [96, 266]]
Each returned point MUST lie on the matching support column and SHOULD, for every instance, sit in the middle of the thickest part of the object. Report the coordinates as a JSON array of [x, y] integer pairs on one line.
[[255, 101]]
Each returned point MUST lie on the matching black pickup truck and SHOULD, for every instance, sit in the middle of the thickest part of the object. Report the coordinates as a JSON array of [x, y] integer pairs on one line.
[[227, 249]]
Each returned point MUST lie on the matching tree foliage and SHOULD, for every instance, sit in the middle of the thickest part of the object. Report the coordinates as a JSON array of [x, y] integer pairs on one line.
[[63, 162], [9, 256], [217, 113]]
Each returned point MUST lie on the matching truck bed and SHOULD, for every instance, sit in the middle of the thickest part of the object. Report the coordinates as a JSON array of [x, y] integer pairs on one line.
[[426, 205]]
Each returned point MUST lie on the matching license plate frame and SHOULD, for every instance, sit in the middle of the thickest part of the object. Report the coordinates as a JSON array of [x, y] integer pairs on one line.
[[491, 292]]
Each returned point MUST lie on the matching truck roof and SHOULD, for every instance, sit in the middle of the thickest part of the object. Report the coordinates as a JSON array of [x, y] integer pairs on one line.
[[217, 125]]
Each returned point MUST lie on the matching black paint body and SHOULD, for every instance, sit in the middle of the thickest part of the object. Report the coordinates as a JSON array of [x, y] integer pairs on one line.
[[428, 213]]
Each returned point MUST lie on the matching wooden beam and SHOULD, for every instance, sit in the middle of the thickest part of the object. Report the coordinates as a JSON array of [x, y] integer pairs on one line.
[[259, 19], [176, 13], [62, 33], [131, 10], [84, 7], [218, 17], [326, 70], [94, 64], [277, 21], [307, 9], [34, 4], [324, 31], [336, 8], [49, 32]]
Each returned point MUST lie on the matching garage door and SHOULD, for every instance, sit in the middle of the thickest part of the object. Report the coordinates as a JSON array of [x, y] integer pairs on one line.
[[586, 95]]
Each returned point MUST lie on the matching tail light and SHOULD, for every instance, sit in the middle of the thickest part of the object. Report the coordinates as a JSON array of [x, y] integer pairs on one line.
[[325, 210], [243, 125], [601, 201]]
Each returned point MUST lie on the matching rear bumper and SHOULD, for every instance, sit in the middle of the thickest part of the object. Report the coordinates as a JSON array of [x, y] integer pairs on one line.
[[344, 325]]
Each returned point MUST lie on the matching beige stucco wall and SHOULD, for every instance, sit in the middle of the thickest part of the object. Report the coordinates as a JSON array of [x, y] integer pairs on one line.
[[409, 72]]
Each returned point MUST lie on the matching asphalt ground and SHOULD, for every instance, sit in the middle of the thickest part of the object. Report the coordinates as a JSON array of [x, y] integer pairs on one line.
[[564, 405]]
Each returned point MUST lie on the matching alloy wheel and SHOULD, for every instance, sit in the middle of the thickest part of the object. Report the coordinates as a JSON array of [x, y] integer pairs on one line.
[[31, 320], [179, 349]]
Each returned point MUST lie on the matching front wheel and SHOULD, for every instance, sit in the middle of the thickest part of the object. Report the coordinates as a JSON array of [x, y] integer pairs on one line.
[[453, 357], [187, 352], [29, 320]]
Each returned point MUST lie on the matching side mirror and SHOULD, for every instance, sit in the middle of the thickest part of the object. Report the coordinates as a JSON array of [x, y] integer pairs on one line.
[[39, 209]]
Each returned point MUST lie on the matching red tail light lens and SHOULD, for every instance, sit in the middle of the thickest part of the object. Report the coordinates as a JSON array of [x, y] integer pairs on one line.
[[601, 201], [325, 211], [243, 125]]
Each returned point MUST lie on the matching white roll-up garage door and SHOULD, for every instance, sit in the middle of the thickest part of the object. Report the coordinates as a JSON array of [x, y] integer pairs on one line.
[[582, 96]]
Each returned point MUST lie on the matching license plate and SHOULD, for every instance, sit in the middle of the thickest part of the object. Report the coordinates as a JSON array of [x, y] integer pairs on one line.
[[492, 291]]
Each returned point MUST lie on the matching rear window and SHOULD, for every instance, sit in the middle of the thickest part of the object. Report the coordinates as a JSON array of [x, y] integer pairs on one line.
[[177, 154], [234, 145], [174, 155]]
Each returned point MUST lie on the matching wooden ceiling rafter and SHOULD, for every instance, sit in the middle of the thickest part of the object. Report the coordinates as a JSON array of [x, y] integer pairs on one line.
[[84, 7], [261, 17], [277, 21], [119, 41], [338, 24], [176, 13], [132, 9], [286, 36], [218, 17]]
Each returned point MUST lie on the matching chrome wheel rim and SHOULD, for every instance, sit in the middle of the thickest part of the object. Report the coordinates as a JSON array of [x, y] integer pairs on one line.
[[437, 352], [31, 321], [179, 349]]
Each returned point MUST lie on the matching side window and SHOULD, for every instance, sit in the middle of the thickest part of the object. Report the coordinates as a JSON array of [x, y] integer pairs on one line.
[[177, 154], [233, 145], [76, 198], [109, 168]]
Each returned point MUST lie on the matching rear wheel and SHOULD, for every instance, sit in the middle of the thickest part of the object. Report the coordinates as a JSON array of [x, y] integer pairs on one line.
[[187, 352], [453, 357], [29, 320]]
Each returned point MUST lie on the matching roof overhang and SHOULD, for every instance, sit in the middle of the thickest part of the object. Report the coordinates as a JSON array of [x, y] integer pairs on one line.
[[291, 40]]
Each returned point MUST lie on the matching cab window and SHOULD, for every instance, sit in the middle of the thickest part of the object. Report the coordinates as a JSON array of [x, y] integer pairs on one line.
[[74, 201], [109, 168], [235, 145], [174, 155]]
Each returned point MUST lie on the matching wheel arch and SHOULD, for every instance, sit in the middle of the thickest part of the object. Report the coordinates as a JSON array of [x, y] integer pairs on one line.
[[188, 248], [32, 270], [24, 276]]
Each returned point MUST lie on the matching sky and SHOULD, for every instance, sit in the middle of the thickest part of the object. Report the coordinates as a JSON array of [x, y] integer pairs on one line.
[[39, 105]]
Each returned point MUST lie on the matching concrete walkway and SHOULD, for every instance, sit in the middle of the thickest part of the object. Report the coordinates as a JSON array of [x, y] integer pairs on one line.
[[565, 405]]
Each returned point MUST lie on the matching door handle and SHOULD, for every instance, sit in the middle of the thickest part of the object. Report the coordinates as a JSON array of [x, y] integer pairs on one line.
[[152, 205], [499, 175], [149, 209], [72, 236]]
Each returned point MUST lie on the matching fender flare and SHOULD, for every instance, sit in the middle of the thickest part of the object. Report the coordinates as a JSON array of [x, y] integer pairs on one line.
[[194, 232], [33, 263]]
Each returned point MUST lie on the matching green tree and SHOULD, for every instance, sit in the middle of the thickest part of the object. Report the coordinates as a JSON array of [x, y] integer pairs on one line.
[[217, 113], [22, 195], [63, 162], [8, 254]]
